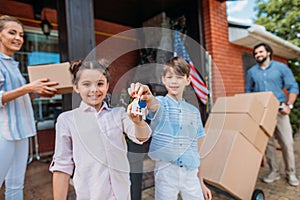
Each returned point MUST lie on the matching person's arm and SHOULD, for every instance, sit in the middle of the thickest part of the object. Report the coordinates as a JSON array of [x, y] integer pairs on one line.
[[60, 183], [62, 165], [292, 87], [41, 87], [206, 191], [292, 98]]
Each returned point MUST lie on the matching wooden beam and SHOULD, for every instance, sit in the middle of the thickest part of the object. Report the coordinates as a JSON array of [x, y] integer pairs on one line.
[[76, 35]]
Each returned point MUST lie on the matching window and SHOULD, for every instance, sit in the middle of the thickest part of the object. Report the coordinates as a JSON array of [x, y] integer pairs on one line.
[[248, 61], [35, 41], [39, 49]]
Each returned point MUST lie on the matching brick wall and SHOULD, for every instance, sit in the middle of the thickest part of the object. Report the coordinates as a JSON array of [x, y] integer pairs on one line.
[[227, 58], [228, 72]]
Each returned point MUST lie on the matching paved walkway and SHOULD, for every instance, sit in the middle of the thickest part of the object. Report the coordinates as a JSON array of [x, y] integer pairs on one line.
[[279, 190], [38, 182]]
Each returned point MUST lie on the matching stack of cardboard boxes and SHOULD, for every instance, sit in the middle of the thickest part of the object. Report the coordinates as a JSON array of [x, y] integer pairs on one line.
[[237, 133]]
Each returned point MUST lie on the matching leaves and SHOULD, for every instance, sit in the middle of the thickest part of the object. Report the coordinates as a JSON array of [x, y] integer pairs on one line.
[[281, 17]]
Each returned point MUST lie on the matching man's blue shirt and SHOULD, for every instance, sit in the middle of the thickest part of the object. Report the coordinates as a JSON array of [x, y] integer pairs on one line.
[[274, 78], [176, 127]]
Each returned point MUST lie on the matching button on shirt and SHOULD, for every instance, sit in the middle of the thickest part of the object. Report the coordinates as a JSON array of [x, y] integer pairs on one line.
[[16, 116], [274, 78], [176, 127], [101, 167]]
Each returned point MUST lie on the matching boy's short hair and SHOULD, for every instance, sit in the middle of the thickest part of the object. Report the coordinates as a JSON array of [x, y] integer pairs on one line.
[[179, 65]]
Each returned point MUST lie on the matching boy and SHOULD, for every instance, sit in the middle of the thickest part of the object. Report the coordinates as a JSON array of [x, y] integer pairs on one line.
[[177, 131]]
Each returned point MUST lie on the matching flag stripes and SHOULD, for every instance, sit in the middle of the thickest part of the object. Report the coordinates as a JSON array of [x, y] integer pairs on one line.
[[197, 82]]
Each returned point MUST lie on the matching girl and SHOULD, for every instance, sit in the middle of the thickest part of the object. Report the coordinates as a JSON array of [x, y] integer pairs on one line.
[[90, 143], [16, 114]]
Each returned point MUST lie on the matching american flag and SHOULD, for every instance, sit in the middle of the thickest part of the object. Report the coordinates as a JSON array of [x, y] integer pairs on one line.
[[197, 82]]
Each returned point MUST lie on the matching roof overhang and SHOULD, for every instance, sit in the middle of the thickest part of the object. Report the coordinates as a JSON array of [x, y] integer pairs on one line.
[[249, 37]]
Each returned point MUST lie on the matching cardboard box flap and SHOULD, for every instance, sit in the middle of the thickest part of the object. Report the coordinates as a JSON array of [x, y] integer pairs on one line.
[[209, 141], [234, 121], [261, 140], [269, 121], [267, 99], [271, 105], [240, 104]]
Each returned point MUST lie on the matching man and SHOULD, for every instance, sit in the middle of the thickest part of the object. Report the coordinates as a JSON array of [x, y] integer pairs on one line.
[[269, 75]]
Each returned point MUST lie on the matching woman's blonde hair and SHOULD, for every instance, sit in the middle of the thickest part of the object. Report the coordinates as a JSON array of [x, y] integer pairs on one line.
[[5, 18]]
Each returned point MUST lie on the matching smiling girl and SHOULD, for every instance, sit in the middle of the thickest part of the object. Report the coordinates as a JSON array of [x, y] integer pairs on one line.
[[90, 143]]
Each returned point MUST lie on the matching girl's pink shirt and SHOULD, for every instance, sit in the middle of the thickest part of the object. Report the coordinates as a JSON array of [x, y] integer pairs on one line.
[[94, 178]]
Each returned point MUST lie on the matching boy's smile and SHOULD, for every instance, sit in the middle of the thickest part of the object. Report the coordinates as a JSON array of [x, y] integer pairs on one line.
[[175, 84]]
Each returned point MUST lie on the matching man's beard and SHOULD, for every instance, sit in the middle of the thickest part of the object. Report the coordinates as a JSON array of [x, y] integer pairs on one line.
[[262, 60]]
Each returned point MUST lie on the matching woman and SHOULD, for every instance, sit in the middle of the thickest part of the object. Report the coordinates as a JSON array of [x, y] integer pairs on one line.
[[16, 114]]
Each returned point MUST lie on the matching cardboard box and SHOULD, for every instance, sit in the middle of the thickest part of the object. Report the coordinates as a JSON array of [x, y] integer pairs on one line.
[[55, 72], [267, 99], [239, 104], [261, 140], [241, 122], [230, 163], [271, 105], [268, 122]]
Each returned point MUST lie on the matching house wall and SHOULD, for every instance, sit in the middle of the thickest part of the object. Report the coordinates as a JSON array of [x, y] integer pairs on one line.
[[227, 71], [103, 30]]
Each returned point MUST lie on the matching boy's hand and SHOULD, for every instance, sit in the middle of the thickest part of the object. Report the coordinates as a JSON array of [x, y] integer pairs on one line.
[[143, 92], [140, 91]]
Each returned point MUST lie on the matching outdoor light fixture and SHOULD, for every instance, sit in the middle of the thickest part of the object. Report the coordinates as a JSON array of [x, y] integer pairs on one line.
[[46, 27]]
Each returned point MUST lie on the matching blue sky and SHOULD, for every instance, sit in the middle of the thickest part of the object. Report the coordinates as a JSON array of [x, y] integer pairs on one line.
[[241, 11]]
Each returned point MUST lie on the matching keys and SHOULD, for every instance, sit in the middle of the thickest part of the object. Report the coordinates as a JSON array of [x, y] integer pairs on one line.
[[139, 108]]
